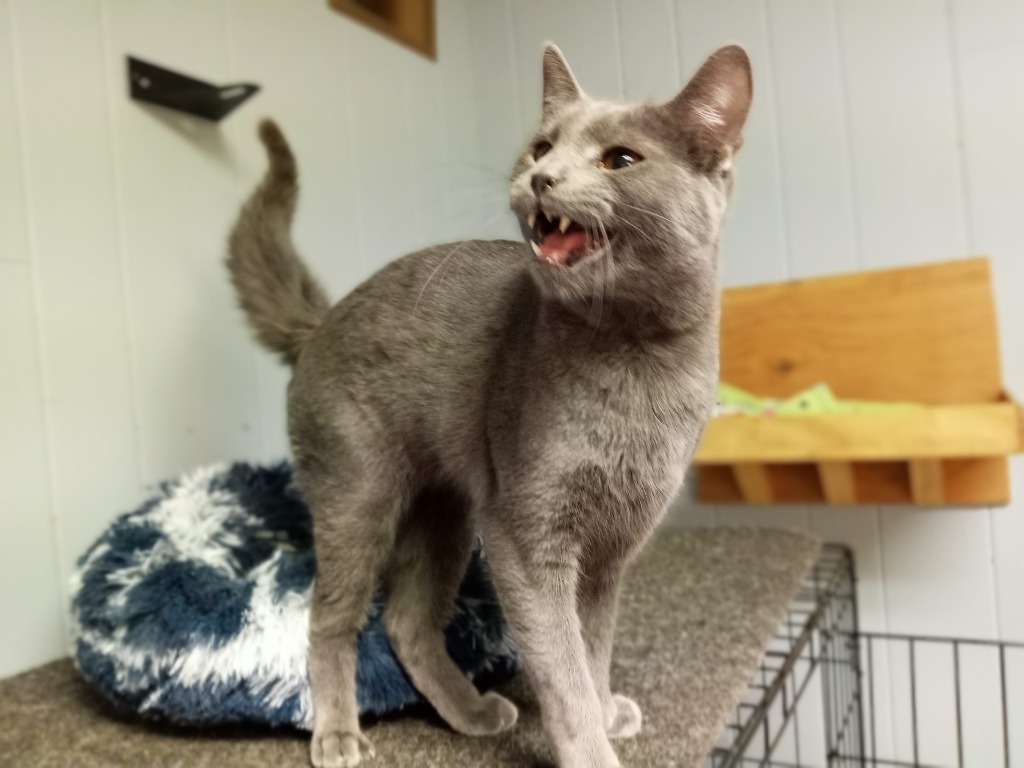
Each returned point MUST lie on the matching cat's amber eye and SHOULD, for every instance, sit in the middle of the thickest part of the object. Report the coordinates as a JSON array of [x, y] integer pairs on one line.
[[617, 158], [540, 149]]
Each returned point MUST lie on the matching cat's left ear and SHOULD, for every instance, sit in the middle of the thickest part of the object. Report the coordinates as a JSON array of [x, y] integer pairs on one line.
[[560, 87], [713, 107]]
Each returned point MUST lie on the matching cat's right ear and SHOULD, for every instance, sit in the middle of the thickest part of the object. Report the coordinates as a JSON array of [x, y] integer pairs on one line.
[[560, 87], [713, 107]]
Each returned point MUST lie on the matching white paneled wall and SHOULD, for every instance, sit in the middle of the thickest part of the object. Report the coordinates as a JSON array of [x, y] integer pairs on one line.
[[124, 360], [882, 134]]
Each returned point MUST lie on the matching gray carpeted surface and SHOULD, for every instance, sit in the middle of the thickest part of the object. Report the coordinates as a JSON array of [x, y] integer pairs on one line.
[[696, 614]]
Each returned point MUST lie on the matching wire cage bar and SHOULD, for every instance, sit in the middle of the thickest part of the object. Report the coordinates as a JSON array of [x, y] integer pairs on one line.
[[828, 694]]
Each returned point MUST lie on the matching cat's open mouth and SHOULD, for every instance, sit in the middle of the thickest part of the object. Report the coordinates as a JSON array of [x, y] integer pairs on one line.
[[561, 240]]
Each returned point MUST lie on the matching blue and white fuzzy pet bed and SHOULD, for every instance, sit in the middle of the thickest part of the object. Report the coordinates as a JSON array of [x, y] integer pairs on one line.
[[195, 608]]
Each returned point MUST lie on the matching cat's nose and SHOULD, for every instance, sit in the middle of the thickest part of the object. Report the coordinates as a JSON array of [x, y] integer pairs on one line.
[[541, 183]]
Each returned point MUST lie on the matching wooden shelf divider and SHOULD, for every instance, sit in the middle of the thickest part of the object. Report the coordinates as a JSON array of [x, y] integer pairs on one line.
[[837, 482], [754, 483], [926, 486]]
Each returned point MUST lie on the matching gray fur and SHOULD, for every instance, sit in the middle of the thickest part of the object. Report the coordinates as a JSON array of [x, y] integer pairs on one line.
[[472, 387], [283, 301]]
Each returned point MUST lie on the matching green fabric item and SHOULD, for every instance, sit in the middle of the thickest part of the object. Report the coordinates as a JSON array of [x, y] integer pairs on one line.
[[814, 401]]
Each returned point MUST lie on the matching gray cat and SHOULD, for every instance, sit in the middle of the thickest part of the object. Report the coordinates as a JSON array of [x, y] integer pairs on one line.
[[549, 396]]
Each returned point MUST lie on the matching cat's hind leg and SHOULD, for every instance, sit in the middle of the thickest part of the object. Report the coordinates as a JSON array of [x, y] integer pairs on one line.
[[432, 551], [357, 499]]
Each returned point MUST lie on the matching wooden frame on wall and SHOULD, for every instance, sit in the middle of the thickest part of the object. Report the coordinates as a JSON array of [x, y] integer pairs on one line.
[[409, 22]]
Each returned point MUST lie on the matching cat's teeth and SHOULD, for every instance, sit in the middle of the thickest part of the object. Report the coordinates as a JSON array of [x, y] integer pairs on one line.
[[564, 224], [531, 218], [536, 248]]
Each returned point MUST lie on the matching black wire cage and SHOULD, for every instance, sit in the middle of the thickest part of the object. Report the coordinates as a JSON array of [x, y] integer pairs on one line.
[[827, 694]]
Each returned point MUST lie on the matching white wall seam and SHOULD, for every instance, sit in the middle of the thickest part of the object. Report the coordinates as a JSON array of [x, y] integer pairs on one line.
[[777, 144], [858, 240], [417, 204], [357, 175], [972, 246], [511, 19], [257, 351], [617, 33], [784, 208], [851, 159], [52, 492], [960, 126], [676, 52], [442, 121], [128, 322]]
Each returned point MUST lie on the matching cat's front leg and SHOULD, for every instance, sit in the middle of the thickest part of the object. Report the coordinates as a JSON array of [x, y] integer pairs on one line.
[[536, 577], [597, 602]]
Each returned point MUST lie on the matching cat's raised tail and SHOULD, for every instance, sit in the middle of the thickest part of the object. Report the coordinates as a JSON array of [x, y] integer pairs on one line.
[[282, 300]]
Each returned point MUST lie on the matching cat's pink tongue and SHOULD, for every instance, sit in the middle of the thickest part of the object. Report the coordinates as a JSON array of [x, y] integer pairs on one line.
[[559, 247]]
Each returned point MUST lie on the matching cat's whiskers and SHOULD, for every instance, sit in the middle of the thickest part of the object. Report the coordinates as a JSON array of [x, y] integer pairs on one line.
[[649, 212], [608, 270], [448, 257], [440, 280], [679, 231], [609, 277], [452, 253], [643, 234], [597, 293]]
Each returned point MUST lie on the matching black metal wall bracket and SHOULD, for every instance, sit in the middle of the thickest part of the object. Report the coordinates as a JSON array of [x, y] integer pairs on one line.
[[156, 85]]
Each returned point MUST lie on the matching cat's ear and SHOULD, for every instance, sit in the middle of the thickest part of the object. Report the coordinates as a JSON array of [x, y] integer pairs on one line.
[[560, 87], [713, 107]]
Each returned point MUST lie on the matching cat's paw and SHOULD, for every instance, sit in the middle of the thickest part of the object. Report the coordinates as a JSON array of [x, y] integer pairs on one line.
[[628, 719], [337, 749], [493, 714]]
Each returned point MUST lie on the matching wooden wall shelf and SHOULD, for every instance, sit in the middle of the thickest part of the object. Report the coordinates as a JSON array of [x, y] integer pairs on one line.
[[409, 22], [920, 334]]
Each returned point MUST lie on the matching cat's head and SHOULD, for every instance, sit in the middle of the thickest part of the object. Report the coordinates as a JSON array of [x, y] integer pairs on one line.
[[624, 202]]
